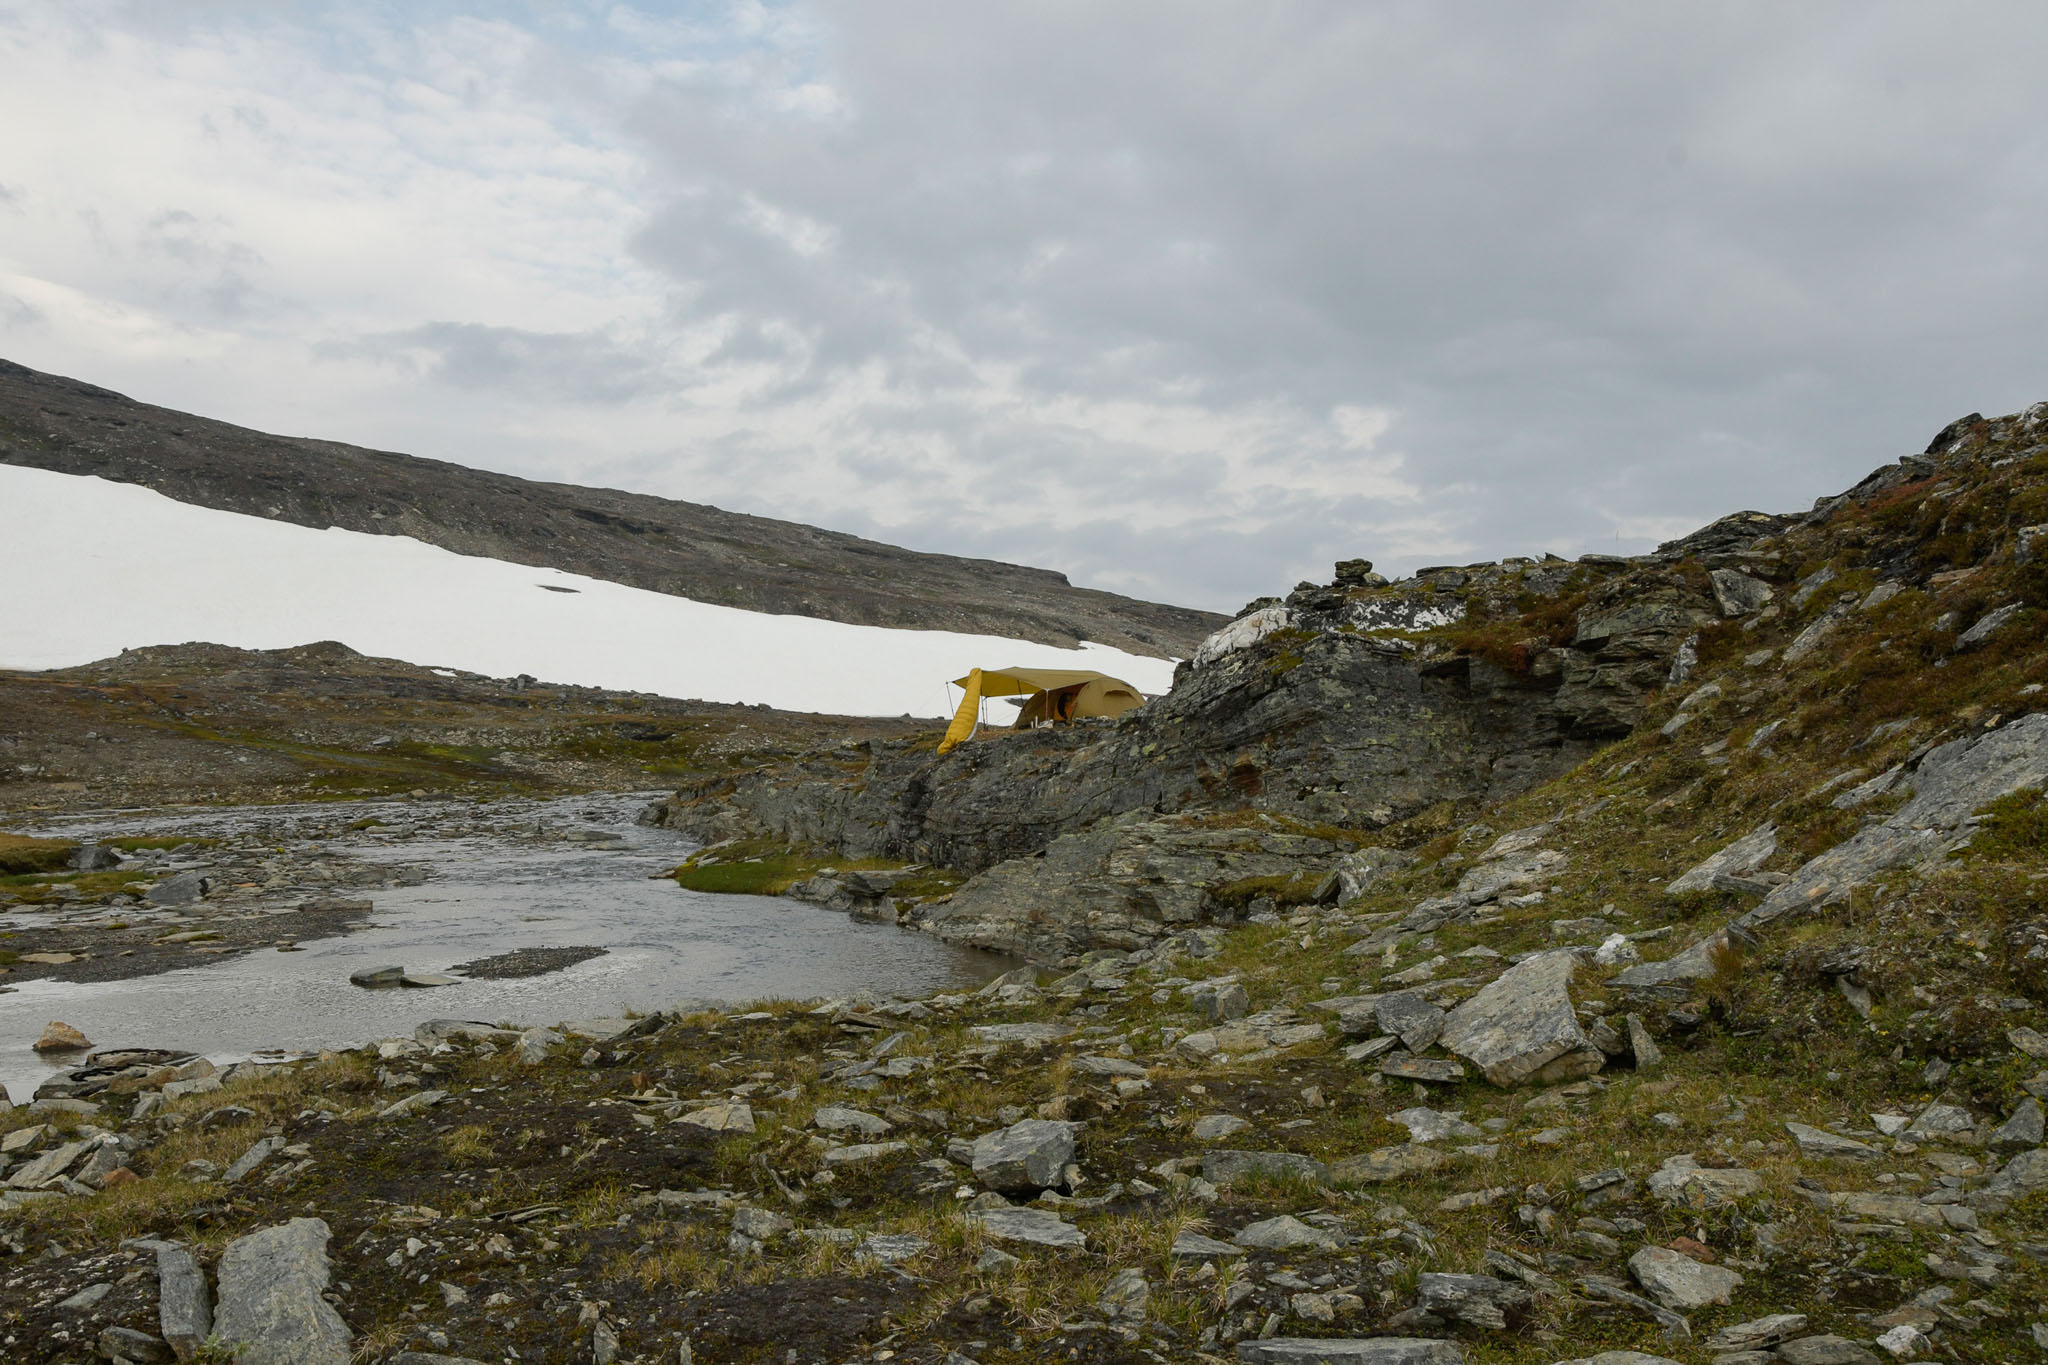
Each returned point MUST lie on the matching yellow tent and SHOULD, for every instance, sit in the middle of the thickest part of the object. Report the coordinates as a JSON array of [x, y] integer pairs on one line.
[[1055, 694]]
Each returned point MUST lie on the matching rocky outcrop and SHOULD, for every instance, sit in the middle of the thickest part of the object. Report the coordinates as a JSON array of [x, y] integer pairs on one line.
[[1121, 884], [1951, 784]]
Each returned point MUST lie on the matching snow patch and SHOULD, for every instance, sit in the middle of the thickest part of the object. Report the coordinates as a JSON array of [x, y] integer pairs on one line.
[[92, 567]]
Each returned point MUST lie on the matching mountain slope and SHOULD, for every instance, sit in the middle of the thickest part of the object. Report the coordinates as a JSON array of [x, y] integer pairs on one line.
[[107, 566], [683, 549]]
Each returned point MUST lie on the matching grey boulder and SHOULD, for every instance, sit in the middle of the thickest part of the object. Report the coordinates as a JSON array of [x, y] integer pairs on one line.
[[1026, 1156], [1521, 1028], [1409, 1017], [271, 1304], [1481, 1301]]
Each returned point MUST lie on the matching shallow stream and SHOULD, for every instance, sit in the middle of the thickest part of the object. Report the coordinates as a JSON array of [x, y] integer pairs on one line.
[[495, 887]]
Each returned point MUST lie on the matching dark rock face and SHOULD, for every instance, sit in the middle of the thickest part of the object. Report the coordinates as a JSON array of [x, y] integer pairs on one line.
[[1353, 730], [690, 550]]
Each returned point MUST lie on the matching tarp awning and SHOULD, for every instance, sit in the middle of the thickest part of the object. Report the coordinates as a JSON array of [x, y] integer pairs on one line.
[[1057, 694]]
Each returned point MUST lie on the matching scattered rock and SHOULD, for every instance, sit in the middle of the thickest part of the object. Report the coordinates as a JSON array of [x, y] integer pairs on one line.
[[1758, 1334], [1825, 1350], [1194, 1246], [2022, 1130], [838, 1118], [182, 889], [1411, 1018], [377, 978], [1216, 1127], [1431, 1125], [1682, 1180]]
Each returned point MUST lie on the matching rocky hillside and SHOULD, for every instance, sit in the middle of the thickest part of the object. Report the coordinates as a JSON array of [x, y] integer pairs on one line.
[[177, 724], [681, 548], [1680, 996], [1380, 716]]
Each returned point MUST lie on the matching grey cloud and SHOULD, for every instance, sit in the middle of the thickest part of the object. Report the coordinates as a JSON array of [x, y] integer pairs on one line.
[[1608, 267], [575, 367]]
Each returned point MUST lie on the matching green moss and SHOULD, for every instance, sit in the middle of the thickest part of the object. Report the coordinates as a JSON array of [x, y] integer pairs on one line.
[[767, 867], [2015, 829], [136, 843], [1298, 889], [23, 853]]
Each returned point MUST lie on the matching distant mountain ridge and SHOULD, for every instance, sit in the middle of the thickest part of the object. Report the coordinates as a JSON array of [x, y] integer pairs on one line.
[[680, 548]]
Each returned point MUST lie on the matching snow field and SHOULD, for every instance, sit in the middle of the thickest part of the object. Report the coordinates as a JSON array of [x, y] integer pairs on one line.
[[89, 567]]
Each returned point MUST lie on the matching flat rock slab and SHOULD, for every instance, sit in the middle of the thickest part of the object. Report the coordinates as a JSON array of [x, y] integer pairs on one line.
[[596, 1030], [1284, 1234], [1433, 1125], [1433, 1070], [1821, 1143], [1227, 1165], [1388, 1163], [1521, 1029], [1677, 1281], [736, 1117], [1194, 1246], [1029, 1035], [428, 980], [271, 1283], [1351, 1351], [1035, 1226], [524, 962], [840, 1118], [1682, 1180]]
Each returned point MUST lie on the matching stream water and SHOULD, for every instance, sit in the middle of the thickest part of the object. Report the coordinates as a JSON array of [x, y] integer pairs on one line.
[[492, 890]]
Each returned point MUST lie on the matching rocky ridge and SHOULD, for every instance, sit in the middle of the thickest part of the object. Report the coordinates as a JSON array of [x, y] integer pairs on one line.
[[687, 549]]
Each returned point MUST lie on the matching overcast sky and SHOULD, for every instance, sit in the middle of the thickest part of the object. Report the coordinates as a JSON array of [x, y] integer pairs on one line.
[[1185, 299]]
